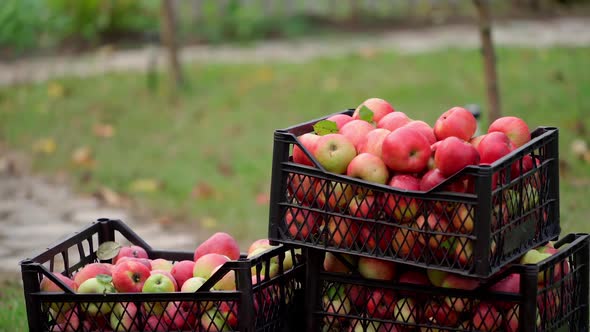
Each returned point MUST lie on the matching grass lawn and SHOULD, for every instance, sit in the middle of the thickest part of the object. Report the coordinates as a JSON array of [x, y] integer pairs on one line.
[[217, 135]]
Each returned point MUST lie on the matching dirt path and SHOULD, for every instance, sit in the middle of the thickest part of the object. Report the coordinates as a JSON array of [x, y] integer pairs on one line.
[[35, 212], [564, 32]]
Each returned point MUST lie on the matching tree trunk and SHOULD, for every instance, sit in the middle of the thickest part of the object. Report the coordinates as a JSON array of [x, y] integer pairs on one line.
[[168, 37], [489, 58]]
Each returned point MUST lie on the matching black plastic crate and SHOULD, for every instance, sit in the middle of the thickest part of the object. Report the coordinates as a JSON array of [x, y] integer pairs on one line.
[[510, 206], [560, 302], [260, 303]]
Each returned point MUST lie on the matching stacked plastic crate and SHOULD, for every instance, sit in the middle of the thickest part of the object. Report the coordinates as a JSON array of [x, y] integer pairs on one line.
[[385, 259]]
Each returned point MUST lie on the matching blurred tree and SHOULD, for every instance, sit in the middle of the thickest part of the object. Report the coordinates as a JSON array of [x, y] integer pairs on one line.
[[489, 58], [168, 37]]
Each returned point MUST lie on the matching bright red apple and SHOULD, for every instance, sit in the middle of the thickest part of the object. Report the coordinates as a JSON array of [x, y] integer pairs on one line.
[[406, 150], [393, 121], [493, 146], [309, 141], [424, 129], [373, 142], [402, 207], [453, 154], [220, 243], [515, 128], [355, 131], [457, 122], [340, 119]]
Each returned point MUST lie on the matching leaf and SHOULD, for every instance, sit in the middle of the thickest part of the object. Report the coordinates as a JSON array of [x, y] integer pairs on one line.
[[144, 186], [448, 244], [103, 130], [83, 157], [44, 146], [203, 190], [366, 114], [55, 90], [325, 127], [104, 279], [109, 196], [108, 250]]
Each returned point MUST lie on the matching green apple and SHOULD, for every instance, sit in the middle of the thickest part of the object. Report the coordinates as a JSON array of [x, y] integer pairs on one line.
[[124, 317], [157, 283], [101, 284], [533, 256]]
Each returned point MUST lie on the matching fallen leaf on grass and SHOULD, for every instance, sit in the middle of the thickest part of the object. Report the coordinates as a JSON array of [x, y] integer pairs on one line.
[[209, 222], [203, 190], [367, 52], [55, 90], [262, 199], [145, 186], [109, 196], [225, 168], [579, 148], [82, 156], [44, 146], [103, 130]]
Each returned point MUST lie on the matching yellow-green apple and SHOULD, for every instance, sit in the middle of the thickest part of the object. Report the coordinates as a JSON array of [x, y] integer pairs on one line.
[[336, 195], [227, 282], [380, 303], [515, 128], [533, 256], [161, 264], [49, 286], [393, 121], [334, 152], [224, 317], [457, 122], [406, 310], [158, 283], [182, 271], [333, 264], [530, 197], [436, 277], [406, 150], [90, 271], [510, 284], [308, 141], [205, 265], [373, 142], [355, 131], [402, 208], [335, 302], [101, 284], [129, 276], [131, 251], [458, 282], [372, 236], [167, 274], [125, 317], [373, 268], [358, 325], [340, 119], [68, 321], [424, 129], [219, 243], [405, 243], [363, 206], [476, 140], [462, 249], [493, 146], [368, 167], [453, 154], [486, 318], [302, 223], [342, 232], [145, 261], [463, 218], [191, 285], [260, 243], [378, 106], [302, 188], [440, 314]]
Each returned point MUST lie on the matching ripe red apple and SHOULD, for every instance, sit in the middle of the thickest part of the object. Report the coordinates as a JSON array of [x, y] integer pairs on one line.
[[486, 318], [334, 152], [493, 146], [219, 243], [515, 128], [401, 207], [129, 277], [527, 164], [182, 271], [227, 282], [90, 271], [434, 223], [406, 150], [510, 284], [363, 206], [476, 140], [302, 188], [130, 251], [340, 119], [405, 243], [341, 232], [462, 250], [301, 223], [440, 314], [424, 129], [176, 318], [393, 121], [260, 243], [381, 303], [205, 265], [368, 167], [414, 277], [463, 218], [378, 106], [67, 321], [373, 268], [457, 122], [145, 261], [453, 154], [335, 303], [373, 142], [355, 131], [431, 179], [372, 236], [49, 286], [309, 141], [333, 264]]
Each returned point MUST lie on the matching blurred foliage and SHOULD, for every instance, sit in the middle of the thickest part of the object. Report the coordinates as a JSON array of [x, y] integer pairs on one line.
[[22, 23]]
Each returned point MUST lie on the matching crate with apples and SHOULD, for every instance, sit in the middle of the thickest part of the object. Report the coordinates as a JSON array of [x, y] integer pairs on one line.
[[547, 290], [373, 182], [106, 278]]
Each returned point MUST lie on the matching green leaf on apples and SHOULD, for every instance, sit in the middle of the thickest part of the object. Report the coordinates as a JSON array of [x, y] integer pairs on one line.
[[104, 278], [108, 250], [325, 127], [366, 114], [448, 244]]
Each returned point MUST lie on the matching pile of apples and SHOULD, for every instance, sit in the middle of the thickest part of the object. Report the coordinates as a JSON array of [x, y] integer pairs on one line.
[[381, 309], [132, 271], [380, 145]]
